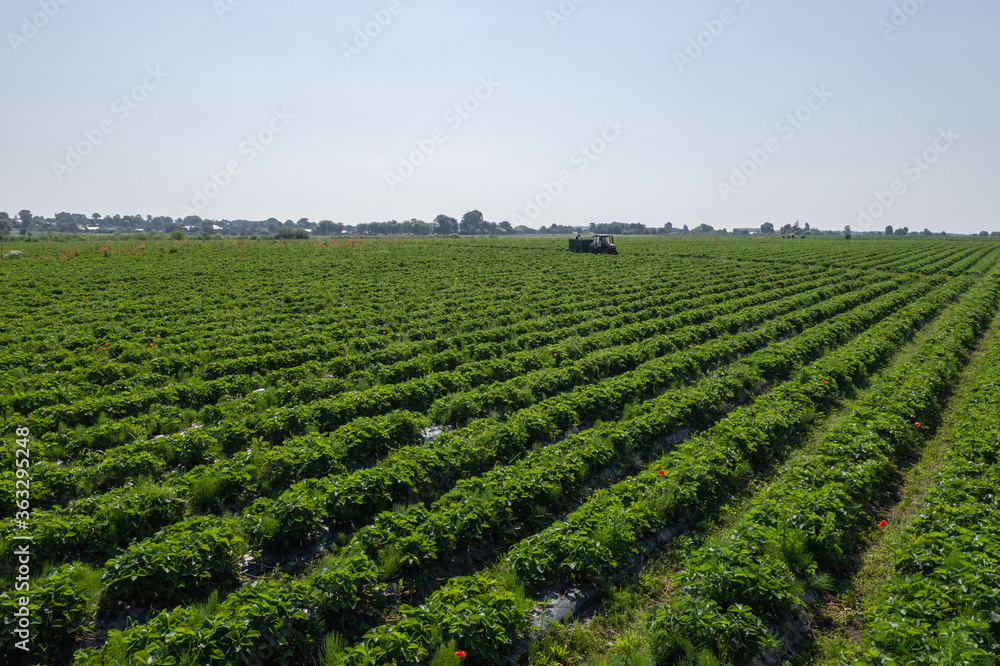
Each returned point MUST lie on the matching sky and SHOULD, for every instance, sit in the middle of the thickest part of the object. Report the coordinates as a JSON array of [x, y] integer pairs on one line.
[[729, 112]]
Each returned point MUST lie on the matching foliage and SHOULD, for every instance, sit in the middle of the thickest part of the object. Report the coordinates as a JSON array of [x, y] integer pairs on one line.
[[378, 420]]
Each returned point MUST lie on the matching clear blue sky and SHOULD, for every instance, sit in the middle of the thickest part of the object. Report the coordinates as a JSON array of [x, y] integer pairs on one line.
[[332, 114]]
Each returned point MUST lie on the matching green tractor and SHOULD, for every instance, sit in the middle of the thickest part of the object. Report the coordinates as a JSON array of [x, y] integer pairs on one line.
[[598, 244]]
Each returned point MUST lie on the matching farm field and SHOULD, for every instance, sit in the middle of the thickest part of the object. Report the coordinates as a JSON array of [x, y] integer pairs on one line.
[[480, 451]]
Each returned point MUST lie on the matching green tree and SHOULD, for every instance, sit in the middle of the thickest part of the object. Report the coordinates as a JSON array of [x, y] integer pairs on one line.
[[5, 227], [286, 233], [472, 223], [888, 230], [767, 228], [445, 225], [329, 228], [66, 224]]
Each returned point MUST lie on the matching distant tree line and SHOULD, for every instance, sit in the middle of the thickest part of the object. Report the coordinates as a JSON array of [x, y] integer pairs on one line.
[[470, 224]]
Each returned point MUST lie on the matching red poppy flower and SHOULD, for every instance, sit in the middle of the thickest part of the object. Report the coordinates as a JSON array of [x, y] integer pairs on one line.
[[661, 472], [881, 523], [460, 654], [825, 382], [917, 424]]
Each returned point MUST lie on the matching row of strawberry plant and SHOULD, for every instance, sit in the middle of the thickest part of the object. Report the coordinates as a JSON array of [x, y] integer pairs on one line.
[[920, 260], [508, 500], [93, 528], [523, 390], [420, 394], [88, 364], [343, 585], [126, 404], [592, 541], [413, 394], [970, 265], [479, 611], [731, 594], [498, 342], [958, 264], [861, 255], [508, 495], [700, 470], [984, 265], [290, 511], [109, 465], [154, 546], [299, 513], [479, 331], [941, 604], [80, 373], [415, 535]]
